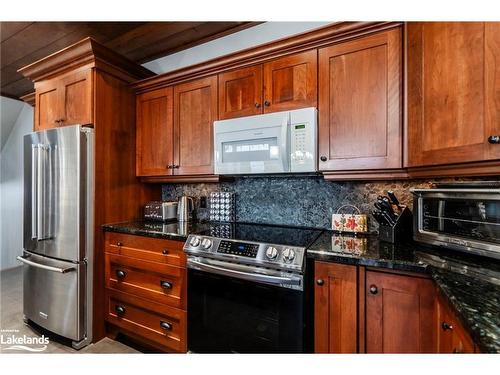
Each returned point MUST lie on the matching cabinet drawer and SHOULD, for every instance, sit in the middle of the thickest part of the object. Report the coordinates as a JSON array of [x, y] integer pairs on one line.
[[159, 282], [146, 248], [163, 325]]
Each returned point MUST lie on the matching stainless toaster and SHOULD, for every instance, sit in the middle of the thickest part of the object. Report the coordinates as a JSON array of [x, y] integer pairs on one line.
[[160, 211]]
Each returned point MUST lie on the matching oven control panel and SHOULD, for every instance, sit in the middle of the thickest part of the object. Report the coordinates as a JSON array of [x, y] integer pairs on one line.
[[253, 253]]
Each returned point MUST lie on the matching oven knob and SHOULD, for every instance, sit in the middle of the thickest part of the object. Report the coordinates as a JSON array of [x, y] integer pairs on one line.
[[206, 243], [195, 241], [288, 255], [271, 252]]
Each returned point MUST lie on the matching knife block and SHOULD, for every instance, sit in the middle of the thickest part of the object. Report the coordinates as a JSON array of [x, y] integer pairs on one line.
[[402, 230]]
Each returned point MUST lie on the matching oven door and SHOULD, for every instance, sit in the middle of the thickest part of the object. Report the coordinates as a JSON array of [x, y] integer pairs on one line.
[[252, 145], [228, 314]]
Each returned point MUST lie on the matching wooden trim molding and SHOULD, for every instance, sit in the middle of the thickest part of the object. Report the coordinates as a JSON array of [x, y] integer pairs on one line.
[[336, 32], [86, 51], [29, 98], [483, 168], [185, 179], [375, 174]]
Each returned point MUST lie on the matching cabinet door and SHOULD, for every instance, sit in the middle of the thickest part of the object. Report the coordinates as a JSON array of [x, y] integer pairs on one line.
[[76, 98], [399, 314], [47, 104], [155, 132], [451, 337], [291, 82], [195, 109], [360, 103], [453, 91], [240, 92], [335, 308]]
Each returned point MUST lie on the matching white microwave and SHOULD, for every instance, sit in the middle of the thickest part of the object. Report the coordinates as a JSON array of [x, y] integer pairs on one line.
[[280, 142]]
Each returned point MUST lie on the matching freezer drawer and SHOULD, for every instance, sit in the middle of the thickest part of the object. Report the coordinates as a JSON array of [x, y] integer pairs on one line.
[[54, 294]]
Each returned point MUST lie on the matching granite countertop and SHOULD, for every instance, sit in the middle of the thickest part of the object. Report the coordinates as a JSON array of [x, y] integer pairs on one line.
[[169, 230], [470, 283]]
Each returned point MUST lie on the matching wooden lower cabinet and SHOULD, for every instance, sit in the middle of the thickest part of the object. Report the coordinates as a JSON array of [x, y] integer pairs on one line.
[[336, 306], [146, 290], [451, 336], [400, 313]]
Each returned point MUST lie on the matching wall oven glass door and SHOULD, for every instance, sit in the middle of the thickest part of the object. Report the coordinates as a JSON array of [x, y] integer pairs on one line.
[[258, 144], [233, 315]]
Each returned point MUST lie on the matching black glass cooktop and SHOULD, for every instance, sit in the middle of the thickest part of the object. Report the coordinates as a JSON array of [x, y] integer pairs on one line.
[[271, 234]]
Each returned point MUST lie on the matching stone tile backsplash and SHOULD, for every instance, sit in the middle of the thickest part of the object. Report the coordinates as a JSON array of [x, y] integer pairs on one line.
[[299, 201]]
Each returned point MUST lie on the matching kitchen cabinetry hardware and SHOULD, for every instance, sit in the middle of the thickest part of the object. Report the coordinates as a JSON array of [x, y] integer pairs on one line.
[[267, 103], [164, 325], [257, 105], [119, 244], [323, 158], [494, 139], [373, 289], [120, 309], [320, 282], [165, 284], [121, 274], [164, 251], [445, 326]]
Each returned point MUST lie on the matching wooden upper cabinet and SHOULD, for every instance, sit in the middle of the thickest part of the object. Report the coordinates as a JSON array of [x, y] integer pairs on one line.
[[399, 314], [240, 92], [155, 132], [64, 100], [360, 103], [195, 110], [453, 92], [335, 308], [291, 82]]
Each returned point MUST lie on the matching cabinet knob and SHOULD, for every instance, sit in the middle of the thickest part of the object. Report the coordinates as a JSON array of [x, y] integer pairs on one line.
[[373, 289], [165, 325], [267, 103], [323, 158], [169, 166], [120, 309], [119, 244], [164, 251], [320, 282], [165, 284], [257, 105], [494, 139], [120, 274], [445, 326], [175, 166]]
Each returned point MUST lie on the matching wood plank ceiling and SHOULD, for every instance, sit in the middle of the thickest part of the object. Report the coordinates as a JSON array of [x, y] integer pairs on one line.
[[25, 42]]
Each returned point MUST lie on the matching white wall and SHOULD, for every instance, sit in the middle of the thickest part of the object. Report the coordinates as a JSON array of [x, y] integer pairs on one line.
[[253, 36], [11, 187]]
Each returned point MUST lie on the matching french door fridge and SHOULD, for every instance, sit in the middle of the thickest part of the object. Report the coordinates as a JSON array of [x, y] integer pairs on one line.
[[58, 231]]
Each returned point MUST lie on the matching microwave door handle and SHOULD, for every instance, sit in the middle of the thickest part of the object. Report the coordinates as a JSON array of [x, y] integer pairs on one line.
[[34, 191], [284, 142]]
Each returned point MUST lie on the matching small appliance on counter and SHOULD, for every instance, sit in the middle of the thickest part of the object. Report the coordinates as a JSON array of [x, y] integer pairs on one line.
[[185, 209], [395, 219], [463, 216], [160, 211]]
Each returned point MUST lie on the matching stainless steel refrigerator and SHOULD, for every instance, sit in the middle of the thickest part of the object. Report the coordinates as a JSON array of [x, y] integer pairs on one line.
[[58, 231]]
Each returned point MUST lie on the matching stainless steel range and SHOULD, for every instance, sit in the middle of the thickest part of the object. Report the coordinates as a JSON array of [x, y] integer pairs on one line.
[[246, 288]]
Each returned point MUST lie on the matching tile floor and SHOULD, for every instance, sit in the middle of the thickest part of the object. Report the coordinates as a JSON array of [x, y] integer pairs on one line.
[[11, 318]]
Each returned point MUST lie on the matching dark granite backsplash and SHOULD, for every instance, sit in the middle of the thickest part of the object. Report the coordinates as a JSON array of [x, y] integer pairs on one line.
[[299, 201]]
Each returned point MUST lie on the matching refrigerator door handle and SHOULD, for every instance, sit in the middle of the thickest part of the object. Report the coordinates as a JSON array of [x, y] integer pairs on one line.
[[34, 191], [25, 260]]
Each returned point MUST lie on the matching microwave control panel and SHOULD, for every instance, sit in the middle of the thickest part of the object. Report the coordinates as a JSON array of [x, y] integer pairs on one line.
[[303, 140]]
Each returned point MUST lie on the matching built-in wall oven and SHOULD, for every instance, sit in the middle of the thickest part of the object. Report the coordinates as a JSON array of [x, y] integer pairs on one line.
[[247, 290], [280, 142]]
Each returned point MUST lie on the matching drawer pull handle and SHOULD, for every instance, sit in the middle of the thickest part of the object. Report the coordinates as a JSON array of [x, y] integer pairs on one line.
[[445, 326], [120, 274], [165, 284], [494, 139], [119, 244], [165, 325], [164, 251], [120, 309], [373, 289]]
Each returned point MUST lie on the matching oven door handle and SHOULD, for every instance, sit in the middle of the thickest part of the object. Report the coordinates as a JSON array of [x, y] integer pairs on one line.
[[224, 271]]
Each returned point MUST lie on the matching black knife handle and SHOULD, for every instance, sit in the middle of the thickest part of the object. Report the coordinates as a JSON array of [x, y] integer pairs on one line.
[[392, 197]]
